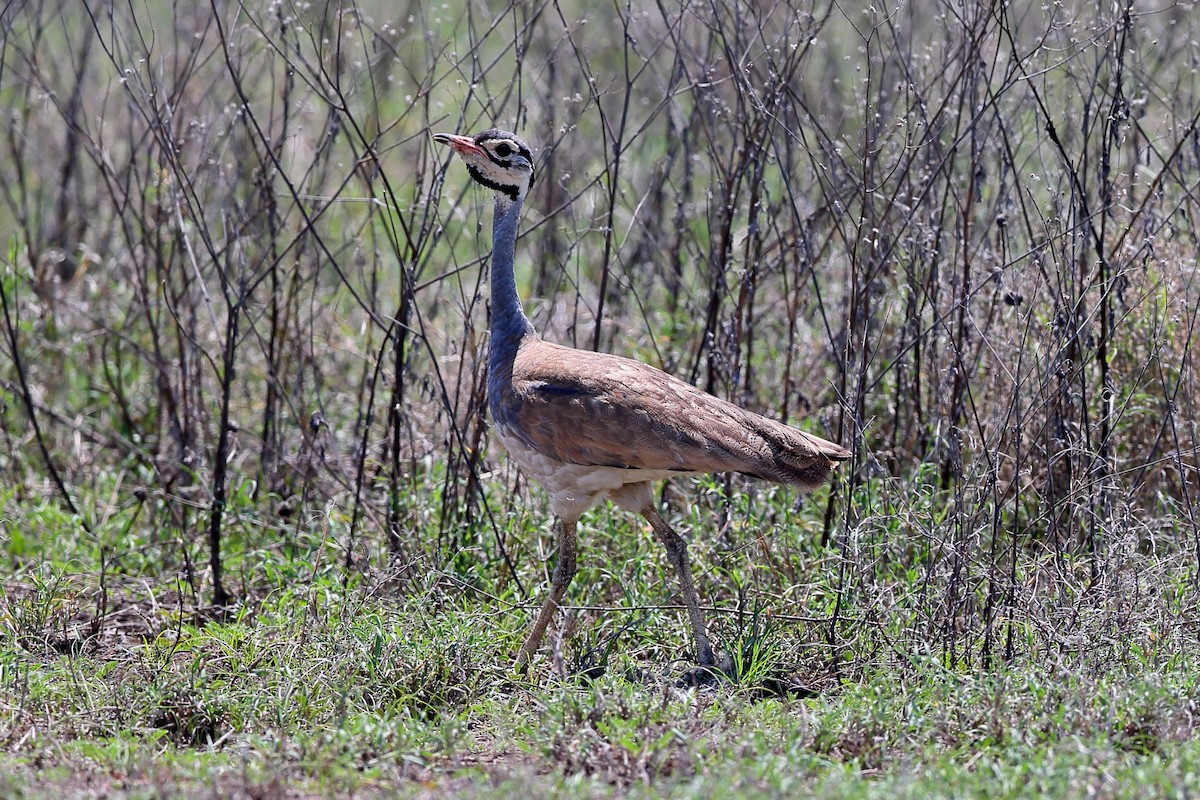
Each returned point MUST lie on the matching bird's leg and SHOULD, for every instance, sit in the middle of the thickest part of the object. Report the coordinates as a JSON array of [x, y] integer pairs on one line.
[[564, 571], [677, 554]]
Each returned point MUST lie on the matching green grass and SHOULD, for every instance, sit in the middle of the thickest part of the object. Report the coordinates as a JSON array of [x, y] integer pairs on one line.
[[385, 685]]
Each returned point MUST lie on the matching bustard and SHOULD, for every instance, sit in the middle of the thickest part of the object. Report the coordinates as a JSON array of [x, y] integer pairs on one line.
[[590, 426]]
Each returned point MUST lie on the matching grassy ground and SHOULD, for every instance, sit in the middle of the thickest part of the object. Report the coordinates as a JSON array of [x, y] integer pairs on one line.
[[399, 683]]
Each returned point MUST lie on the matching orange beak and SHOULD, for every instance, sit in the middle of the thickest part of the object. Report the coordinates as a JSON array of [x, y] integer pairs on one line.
[[461, 144]]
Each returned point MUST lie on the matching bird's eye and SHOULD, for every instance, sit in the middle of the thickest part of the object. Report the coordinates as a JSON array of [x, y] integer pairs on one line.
[[504, 150]]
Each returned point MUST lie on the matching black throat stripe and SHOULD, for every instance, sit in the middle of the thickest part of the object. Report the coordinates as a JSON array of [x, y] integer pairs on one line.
[[511, 191]]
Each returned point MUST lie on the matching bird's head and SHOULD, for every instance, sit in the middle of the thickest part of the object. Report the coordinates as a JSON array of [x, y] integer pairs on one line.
[[497, 159]]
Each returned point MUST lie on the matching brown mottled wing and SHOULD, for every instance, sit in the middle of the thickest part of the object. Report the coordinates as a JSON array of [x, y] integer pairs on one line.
[[591, 408]]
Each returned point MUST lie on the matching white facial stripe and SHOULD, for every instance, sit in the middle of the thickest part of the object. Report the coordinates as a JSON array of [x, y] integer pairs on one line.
[[501, 149]]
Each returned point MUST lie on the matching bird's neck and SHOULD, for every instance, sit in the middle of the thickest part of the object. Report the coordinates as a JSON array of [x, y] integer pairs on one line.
[[509, 323]]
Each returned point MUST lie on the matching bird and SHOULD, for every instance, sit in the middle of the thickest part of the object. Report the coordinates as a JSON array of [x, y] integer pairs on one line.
[[589, 426]]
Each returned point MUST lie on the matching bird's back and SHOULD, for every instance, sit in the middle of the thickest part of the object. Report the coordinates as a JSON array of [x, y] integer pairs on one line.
[[583, 408]]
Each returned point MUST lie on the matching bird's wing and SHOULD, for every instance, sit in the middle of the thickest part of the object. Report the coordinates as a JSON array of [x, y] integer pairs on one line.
[[591, 408]]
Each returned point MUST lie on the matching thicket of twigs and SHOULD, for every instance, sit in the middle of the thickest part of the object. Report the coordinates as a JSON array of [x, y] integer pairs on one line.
[[240, 288]]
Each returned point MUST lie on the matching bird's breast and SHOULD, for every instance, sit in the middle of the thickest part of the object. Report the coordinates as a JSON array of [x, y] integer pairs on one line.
[[573, 488]]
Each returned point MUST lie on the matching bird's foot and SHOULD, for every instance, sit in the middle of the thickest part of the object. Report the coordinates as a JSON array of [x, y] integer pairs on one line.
[[520, 667], [711, 671]]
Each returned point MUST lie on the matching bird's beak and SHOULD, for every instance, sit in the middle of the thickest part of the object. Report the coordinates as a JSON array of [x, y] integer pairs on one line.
[[461, 144]]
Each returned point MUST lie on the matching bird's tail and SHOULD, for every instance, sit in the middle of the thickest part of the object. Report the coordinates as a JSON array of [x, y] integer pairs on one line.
[[798, 458]]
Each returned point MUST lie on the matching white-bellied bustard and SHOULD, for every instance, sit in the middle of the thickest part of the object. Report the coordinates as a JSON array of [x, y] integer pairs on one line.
[[591, 426]]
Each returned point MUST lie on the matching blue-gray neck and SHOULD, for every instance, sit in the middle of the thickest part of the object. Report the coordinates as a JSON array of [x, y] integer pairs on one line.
[[509, 323]]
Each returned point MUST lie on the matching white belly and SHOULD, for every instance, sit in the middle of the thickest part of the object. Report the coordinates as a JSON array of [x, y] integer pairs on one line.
[[574, 488]]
